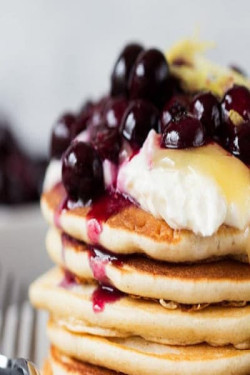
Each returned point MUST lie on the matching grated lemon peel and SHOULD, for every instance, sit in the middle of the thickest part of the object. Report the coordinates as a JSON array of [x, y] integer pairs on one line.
[[197, 73]]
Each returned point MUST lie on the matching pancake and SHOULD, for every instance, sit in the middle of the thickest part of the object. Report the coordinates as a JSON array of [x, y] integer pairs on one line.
[[132, 230], [137, 356], [224, 280], [77, 308], [60, 364], [47, 370]]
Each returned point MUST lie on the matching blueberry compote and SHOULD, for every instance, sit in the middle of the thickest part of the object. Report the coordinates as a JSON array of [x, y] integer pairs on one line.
[[103, 295], [122, 69], [184, 132], [82, 172], [235, 129], [205, 107], [102, 209], [61, 135], [143, 96], [149, 77], [192, 122], [69, 280], [21, 175], [98, 260], [140, 117]]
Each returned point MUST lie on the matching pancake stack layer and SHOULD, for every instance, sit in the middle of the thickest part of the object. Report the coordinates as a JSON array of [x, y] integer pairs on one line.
[[131, 295], [137, 315]]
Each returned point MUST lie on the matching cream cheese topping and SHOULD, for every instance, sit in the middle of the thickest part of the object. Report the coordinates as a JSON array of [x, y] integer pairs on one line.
[[197, 189]]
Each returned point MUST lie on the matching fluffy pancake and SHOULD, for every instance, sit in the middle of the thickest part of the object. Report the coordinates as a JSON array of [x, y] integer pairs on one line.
[[60, 364], [47, 370], [74, 308], [224, 280], [137, 356], [133, 230]]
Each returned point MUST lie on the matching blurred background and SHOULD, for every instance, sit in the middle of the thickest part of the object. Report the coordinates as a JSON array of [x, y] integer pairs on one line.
[[57, 53]]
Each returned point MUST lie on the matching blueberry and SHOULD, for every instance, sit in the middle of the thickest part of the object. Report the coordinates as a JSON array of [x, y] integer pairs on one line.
[[140, 117], [205, 107], [122, 69], [61, 135], [82, 172], [184, 132], [174, 108], [149, 77]]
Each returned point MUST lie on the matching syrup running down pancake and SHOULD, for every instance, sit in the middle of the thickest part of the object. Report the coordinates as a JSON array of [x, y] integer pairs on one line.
[[105, 311], [208, 282], [130, 229]]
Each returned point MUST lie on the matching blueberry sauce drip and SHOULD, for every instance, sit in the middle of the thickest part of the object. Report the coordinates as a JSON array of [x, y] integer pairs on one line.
[[68, 281], [104, 292], [101, 210], [98, 259], [65, 204], [103, 295]]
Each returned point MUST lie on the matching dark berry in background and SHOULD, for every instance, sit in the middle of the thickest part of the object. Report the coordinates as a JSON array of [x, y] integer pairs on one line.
[[8, 143], [61, 135], [21, 175]]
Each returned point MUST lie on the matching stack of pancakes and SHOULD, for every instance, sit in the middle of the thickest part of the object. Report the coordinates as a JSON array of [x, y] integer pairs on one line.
[[158, 301], [130, 295]]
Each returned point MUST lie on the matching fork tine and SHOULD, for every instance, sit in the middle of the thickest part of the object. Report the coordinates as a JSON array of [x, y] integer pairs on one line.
[[26, 333], [19, 322], [32, 351], [6, 316], [42, 345], [9, 337], [5, 283], [17, 298], [10, 317]]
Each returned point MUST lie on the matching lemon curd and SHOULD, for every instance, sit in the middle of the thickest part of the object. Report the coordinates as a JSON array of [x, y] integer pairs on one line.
[[230, 174]]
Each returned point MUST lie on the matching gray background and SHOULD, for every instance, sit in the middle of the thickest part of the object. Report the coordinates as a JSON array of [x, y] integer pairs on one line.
[[55, 53]]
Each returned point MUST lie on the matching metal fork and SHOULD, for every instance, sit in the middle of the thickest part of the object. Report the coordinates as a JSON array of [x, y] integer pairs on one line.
[[19, 324]]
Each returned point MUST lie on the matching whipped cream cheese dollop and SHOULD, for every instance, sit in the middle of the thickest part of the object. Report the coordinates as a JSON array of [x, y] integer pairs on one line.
[[197, 189]]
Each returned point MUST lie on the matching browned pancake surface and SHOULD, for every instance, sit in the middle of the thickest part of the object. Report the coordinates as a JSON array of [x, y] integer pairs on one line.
[[47, 370], [222, 269], [76, 366], [131, 218]]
